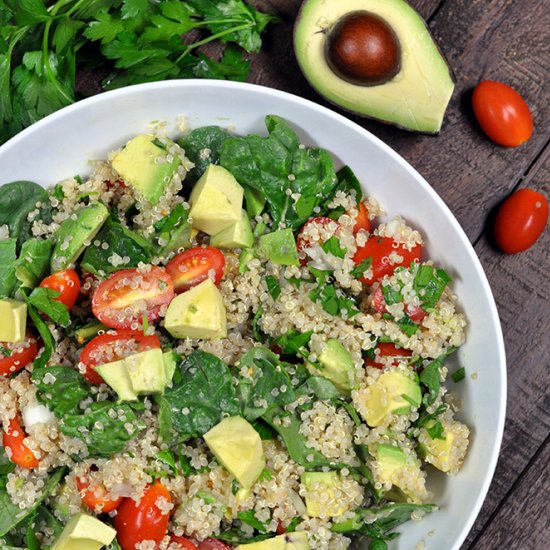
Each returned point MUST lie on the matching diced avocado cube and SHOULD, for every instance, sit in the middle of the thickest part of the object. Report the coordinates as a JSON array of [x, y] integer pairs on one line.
[[84, 532], [255, 201], [237, 235], [170, 362], [289, 541], [278, 247], [337, 366], [146, 371], [73, 235], [116, 376], [147, 166], [393, 393], [197, 313], [445, 454], [13, 326], [394, 466], [323, 494], [238, 447], [216, 200]]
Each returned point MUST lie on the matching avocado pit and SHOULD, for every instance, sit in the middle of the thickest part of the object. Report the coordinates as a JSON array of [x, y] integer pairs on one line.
[[363, 49]]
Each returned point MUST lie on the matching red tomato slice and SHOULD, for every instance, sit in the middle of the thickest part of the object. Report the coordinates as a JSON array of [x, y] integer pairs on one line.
[[521, 220], [388, 349], [113, 346], [181, 542], [96, 498], [415, 313], [126, 296], [213, 544], [362, 220], [306, 239], [135, 523], [19, 354], [66, 283], [194, 266], [16, 450], [379, 249]]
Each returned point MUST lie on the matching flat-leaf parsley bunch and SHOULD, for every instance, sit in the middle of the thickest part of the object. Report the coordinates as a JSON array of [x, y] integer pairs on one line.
[[43, 43]]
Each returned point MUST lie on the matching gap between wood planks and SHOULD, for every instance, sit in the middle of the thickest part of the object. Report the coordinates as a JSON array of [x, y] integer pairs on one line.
[[510, 492]]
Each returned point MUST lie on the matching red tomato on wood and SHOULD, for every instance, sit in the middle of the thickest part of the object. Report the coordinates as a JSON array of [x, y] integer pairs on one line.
[[16, 450], [126, 296], [135, 523], [502, 113], [16, 356], [194, 266], [95, 497], [112, 346], [184, 544], [379, 249], [388, 349], [521, 220], [66, 283]]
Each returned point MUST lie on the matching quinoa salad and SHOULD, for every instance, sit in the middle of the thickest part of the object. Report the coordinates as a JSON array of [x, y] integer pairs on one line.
[[217, 341]]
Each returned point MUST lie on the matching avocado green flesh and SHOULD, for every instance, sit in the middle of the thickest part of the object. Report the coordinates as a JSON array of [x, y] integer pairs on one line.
[[415, 99]]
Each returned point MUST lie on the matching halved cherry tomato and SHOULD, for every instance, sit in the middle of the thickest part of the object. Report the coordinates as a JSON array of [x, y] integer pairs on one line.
[[502, 113], [18, 452], [66, 283], [213, 544], [135, 523], [95, 497], [415, 313], [388, 349], [305, 240], [280, 528], [184, 544], [362, 220], [20, 354], [126, 296], [194, 266], [112, 346], [521, 220], [379, 249]]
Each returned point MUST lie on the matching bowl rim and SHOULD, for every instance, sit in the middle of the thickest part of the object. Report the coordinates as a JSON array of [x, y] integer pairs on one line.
[[225, 86]]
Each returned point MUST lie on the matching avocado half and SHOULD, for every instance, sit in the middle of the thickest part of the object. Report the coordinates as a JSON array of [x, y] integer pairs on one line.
[[414, 96]]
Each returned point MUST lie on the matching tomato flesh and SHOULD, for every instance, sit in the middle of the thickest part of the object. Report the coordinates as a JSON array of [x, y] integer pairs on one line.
[[16, 356], [194, 266], [127, 296], [95, 497], [521, 220], [17, 451], [306, 240], [67, 283], [135, 522], [380, 249], [502, 113], [388, 349], [213, 544], [362, 220], [181, 542], [113, 346]]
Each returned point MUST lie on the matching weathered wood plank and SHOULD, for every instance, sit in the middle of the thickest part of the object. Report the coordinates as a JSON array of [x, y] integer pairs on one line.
[[520, 285], [522, 521]]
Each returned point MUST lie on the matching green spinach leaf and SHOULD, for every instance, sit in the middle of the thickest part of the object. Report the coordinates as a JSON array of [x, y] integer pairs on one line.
[[33, 263], [8, 257], [43, 299], [347, 181]]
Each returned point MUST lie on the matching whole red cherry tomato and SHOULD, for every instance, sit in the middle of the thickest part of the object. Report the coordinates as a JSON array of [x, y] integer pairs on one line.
[[96, 498], [182, 542], [388, 349], [66, 283], [16, 356], [195, 265], [521, 220], [135, 523], [502, 113], [17, 451]]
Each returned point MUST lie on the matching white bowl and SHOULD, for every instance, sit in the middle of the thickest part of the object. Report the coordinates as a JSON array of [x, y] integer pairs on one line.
[[60, 146]]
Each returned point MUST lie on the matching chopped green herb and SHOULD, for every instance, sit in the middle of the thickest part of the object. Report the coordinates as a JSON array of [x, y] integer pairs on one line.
[[458, 374], [273, 286], [5, 351], [159, 143], [359, 270], [334, 302], [332, 246], [436, 431]]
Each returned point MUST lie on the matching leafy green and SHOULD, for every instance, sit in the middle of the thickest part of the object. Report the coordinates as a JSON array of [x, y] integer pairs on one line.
[[359, 270], [103, 434], [33, 262], [429, 283], [43, 299], [347, 181], [7, 267], [45, 334], [430, 377], [249, 518], [294, 342], [332, 246], [273, 286], [174, 230], [119, 240], [64, 394], [202, 391], [6, 465], [276, 165], [458, 375], [334, 301]]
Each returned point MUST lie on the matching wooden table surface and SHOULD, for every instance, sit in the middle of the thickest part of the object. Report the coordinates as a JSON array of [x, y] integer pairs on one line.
[[509, 41]]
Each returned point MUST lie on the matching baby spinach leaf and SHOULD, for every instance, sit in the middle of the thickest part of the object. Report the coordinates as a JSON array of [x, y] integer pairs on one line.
[[43, 299], [45, 334], [63, 394], [318, 386], [7, 267], [202, 390], [118, 240], [34, 262], [268, 386], [174, 230], [6, 465], [347, 181], [293, 342], [277, 165], [103, 434]]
